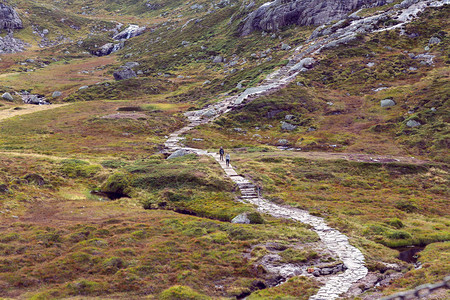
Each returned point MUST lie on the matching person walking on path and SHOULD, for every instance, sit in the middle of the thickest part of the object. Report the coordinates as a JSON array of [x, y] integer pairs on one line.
[[227, 159], [221, 152]]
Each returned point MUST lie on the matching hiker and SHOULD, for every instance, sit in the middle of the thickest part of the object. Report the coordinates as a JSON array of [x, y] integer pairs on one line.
[[227, 159], [221, 152]]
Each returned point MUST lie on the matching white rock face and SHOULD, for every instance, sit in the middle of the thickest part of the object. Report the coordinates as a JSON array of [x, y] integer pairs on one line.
[[131, 31]]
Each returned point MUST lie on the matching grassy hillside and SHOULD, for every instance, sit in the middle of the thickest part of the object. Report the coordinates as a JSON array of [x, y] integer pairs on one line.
[[91, 208]]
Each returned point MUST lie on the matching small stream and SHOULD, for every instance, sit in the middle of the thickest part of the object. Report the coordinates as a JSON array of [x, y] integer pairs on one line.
[[410, 254]]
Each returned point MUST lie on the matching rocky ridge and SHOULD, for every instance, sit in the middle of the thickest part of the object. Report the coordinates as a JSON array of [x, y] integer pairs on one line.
[[274, 15]]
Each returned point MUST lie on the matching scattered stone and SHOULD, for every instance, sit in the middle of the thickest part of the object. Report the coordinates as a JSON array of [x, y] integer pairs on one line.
[[379, 89], [434, 41], [241, 219], [34, 99], [56, 94], [413, 123], [124, 73], [197, 140], [131, 64], [179, 153], [218, 59], [433, 109], [330, 103], [7, 96], [304, 64], [387, 103], [288, 126], [288, 117], [257, 136], [299, 84], [370, 65], [207, 82], [285, 47], [412, 69], [83, 87], [282, 142], [210, 113], [237, 129]]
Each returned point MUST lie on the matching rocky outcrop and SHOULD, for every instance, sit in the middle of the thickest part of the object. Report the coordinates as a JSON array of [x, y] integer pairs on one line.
[[274, 15], [130, 32], [107, 49], [9, 19]]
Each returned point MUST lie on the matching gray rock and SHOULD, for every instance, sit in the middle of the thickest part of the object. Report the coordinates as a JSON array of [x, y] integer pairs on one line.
[[285, 47], [107, 49], [413, 123], [306, 63], [272, 16], [179, 153], [287, 126], [257, 136], [56, 94], [282, 142], [387, 103], [124, 73], [45, 31], [9, 19], [210, 113], [83, 87], [425, 59], [241, 219], [130, 32], [288, 117], [34, 99], [131, 64], [237, 129], [207, 82], [434, 41], [7, 96], [218, 59], [370, 65]]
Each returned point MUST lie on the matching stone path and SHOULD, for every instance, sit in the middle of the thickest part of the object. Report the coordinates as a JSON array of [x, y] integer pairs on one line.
[[335, 241]]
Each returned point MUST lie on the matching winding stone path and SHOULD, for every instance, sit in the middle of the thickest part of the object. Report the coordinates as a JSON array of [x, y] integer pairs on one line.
[[335, 241]]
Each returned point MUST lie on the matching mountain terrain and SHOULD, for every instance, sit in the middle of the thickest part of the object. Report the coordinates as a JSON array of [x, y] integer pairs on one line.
[[335, 114]]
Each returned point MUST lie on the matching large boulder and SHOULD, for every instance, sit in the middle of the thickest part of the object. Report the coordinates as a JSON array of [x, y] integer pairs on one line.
[[241, 219], [413, 123], [124, 73], [288, 126], [9, 19], [7, 96], [179, 153], [387, 103], [56, 94], [277, 14]]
